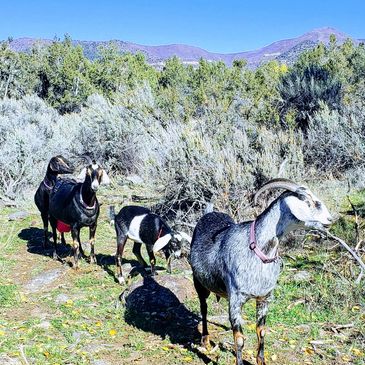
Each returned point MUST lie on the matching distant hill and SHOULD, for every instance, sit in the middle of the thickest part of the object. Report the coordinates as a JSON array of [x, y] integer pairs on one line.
[[286, 50]]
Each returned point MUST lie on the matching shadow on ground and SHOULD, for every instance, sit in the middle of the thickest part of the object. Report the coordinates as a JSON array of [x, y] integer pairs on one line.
[[162, 313], [34, 239]]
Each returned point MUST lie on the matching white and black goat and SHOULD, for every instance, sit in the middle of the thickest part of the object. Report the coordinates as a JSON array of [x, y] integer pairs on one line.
[[240, 261], [142, 226], [57, 165], [75, 204]]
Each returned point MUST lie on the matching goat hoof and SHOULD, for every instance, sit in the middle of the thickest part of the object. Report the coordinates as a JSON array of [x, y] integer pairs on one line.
[[92, 260], [205, 342], [260, 361], [55, 256], [121, 280]]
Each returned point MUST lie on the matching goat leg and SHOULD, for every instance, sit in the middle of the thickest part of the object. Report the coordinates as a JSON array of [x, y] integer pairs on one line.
[[137, 251], [152, 260], [45, 229], [121, 240], [92, 231], [63, 240], [235, 305], [169, 262], [75, 232], [53, 223], [261, 311], [203, 294]]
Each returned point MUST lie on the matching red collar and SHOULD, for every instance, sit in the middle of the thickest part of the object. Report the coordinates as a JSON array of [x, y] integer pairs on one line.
[[258, 252], [159, 234]]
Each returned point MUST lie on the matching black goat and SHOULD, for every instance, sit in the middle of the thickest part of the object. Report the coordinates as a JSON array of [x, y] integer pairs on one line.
[[240, 262], [76, 205], [144, 227], [57, 165]]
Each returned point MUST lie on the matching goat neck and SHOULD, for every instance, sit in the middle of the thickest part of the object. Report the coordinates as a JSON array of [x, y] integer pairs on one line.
[[88, 196], [50, 179], [272, 224]]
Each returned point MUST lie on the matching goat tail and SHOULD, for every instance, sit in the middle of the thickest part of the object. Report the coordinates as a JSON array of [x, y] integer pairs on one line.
[[111, 213]]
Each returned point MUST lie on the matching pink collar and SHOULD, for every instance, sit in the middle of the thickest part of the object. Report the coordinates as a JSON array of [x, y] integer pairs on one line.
[[258, 252]]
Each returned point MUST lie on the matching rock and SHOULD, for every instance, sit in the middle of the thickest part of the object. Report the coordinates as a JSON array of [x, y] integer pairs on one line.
[[302, 276], [100, 362], [44, 325], [79, 335], [41, 280], [62, 298], [18, 216], [134, 179], [5, 360]]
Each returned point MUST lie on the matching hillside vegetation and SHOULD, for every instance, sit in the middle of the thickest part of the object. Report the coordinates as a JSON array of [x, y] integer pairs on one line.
[[192, 135]]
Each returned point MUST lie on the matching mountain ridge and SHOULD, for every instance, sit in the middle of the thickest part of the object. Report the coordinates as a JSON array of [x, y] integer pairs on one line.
[[158, 54]]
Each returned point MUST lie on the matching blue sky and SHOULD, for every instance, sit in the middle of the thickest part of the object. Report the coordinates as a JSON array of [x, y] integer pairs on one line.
[[219, 26]]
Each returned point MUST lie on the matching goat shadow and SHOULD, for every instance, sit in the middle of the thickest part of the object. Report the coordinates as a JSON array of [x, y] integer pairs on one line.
[[107, 263], [147, 310], [34, 238]]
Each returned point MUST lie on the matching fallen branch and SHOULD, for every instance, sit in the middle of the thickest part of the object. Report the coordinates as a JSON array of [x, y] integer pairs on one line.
[[348, 248]]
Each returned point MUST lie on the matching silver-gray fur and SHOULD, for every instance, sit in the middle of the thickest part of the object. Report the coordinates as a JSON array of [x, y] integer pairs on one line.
[[224, 264]]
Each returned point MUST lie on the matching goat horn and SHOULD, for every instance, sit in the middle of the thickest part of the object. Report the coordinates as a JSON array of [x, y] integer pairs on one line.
[[277, 184]]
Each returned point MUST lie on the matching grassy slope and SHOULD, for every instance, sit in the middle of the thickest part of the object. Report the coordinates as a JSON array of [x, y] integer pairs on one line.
[[90, 325]]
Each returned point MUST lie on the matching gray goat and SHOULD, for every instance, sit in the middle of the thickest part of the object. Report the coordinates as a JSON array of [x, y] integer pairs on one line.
[[240, 261]]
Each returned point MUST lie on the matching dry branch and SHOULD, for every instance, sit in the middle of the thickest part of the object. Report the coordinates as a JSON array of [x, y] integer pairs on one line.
[[347, 247]]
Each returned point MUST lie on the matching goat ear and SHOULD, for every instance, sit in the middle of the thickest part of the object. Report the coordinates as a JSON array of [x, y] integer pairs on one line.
[[161, 242], [299, 208], [82, 174], [186, 236], [105, 180], [54, 165]]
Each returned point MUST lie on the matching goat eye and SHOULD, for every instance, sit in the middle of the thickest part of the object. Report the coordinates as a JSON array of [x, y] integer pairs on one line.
[[317, 204]]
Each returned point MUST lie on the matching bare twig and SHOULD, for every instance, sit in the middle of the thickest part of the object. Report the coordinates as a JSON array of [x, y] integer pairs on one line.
[[344, 244], [23, 354]]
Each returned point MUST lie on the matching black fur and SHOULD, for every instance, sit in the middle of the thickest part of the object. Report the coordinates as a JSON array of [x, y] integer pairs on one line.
[[152, 228], [76, 205], [57, 165]]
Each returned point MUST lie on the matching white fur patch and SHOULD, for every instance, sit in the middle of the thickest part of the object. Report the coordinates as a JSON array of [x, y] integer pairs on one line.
[[95, 166], [305, 213], [162, 242], [82, 175], [95, 184], [186, 236], [135, 225], [105, 180]]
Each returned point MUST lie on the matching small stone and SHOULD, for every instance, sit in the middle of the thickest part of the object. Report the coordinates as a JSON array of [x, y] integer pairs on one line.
[[62, 298], [100, 362], [301, 276], [44, 324], [18, 216], [6, 360], [40, 281], [79, 335]]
